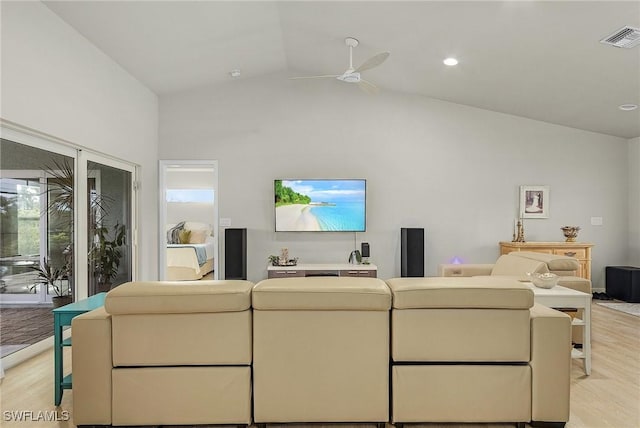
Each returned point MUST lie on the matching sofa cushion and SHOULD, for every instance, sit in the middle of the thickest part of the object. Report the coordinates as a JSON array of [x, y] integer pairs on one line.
[[451, 292], [456, 335], [554, 262], [511, 265], [222, 338], [182, 396], [461, 393], [320, 366], [322, 293], [182, 297]]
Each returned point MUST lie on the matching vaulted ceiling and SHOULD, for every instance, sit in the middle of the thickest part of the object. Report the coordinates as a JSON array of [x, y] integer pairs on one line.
[[537, 59]]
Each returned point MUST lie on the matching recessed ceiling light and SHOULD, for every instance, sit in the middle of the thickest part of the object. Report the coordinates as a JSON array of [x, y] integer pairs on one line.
[[235, 73], [628, 107], [450, 61]]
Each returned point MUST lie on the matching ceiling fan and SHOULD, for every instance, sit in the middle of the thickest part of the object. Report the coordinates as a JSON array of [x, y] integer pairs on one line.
[[352, 75]]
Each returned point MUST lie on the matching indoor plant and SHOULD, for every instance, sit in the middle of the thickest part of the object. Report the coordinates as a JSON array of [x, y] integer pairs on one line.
[[106, 253], [52, 278]]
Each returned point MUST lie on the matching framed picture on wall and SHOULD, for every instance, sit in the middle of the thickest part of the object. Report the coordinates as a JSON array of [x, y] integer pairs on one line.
[[534, 201]]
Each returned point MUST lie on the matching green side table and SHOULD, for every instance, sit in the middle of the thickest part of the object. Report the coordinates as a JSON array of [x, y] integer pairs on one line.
[[62, 317]]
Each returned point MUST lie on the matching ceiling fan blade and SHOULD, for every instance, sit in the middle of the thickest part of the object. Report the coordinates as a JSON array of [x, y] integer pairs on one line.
[[315, 77], [374, 61], [368, 87]]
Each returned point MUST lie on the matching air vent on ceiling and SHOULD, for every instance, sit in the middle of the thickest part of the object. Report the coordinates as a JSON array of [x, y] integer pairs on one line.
[[626, 37]]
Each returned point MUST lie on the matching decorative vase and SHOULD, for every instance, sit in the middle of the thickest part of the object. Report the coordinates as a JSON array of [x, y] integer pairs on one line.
[[570, 232], [59, 301]]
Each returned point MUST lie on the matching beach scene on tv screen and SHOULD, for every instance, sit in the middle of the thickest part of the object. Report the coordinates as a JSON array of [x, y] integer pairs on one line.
[[320, 205]]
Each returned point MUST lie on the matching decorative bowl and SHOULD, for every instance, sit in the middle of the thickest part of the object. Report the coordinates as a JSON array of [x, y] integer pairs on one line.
[[570, 232], [544, 280]]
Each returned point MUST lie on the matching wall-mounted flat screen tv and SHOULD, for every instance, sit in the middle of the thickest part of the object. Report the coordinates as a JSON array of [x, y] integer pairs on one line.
[[321, 205]]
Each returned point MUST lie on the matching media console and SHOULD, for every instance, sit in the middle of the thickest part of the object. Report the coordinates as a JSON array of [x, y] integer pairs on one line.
[[308, 269]]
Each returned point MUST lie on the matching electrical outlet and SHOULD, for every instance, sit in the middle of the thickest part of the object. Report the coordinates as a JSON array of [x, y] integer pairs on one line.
[[225, 222], [596, 221]]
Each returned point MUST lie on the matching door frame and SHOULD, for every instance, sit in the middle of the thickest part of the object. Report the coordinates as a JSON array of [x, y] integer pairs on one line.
[[82, 254], [163, 166]]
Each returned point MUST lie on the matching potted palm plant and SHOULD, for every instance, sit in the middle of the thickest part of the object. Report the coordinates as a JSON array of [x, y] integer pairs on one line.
[[55, 279]]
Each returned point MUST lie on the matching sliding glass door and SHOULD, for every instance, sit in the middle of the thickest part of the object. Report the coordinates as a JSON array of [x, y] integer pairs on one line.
[[110, 220], [67, 227]]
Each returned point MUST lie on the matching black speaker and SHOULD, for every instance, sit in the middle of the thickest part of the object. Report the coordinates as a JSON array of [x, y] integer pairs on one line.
[[364, 249], [412, 252], [235, 254], [623, 283]]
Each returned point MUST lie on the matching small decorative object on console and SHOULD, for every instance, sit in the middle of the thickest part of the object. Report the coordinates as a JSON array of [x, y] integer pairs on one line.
[[570, 232], [284, 256], [544, 280], [518, 235], [283, 259]]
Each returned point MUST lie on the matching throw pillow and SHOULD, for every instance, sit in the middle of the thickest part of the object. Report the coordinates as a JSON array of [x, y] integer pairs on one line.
[[198, 236], [185, 236], [173, 235], [194, 225]]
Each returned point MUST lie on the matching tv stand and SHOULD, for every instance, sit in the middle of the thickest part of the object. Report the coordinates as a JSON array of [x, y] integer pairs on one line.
[[310, 269]]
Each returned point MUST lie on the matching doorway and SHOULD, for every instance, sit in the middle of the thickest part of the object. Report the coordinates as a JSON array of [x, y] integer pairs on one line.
[[188, 219]]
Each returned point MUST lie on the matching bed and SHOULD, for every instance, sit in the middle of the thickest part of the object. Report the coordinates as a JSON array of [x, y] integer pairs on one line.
[[189, 262]]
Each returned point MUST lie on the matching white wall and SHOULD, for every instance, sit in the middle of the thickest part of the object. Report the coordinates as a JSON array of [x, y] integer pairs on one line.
[[451, 169], [183, 178], [54, 81], [634, 202]]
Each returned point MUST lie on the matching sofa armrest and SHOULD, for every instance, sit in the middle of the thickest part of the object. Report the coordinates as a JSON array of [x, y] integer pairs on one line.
[[560, 265], [91, 367], [575, 283], [579, 284], [550, 364], [467, 269]]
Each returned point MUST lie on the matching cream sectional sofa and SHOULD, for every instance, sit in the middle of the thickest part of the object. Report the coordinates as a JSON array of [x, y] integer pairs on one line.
[[165, 354], [476, 350], [518, 263], [320, 350]]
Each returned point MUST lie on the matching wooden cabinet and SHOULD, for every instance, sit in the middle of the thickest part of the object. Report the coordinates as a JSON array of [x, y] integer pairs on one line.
[[359, 271], [289, 273], [578, 250]]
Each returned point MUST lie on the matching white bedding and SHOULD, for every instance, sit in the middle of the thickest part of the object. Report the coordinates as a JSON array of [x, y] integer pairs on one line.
[[182, 261], [184, 255]]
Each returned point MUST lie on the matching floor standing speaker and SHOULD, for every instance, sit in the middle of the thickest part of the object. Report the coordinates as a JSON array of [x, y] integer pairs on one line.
[[412, 252], [235, 254]]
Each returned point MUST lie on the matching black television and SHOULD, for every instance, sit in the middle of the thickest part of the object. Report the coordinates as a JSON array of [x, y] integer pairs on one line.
[[320, 205]]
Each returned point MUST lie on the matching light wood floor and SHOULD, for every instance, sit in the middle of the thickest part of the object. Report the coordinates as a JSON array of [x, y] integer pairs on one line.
[[610, 397]]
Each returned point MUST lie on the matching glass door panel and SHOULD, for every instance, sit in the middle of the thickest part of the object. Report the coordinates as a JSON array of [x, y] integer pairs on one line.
[[36, 223], [20, 212], [110, 226]]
